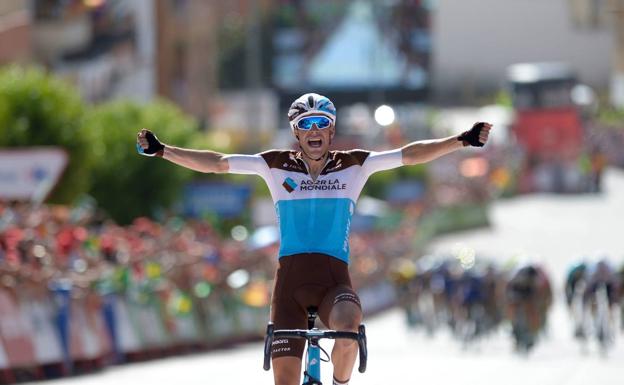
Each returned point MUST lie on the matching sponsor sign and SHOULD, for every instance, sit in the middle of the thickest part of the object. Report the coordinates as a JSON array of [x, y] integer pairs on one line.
[[405, 191], [29, 174], [47, 345], [224, 199]]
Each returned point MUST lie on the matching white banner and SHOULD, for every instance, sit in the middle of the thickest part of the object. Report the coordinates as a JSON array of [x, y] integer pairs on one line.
[[30, 173]]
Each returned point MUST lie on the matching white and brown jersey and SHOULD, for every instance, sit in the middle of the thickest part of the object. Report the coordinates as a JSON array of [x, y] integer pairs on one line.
[[315, 215]]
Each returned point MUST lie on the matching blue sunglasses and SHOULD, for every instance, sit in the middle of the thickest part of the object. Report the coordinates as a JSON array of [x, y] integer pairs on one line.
[[305, 124]]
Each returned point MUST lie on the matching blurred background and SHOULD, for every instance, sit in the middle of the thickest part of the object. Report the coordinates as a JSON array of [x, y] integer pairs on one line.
[[505, 257]]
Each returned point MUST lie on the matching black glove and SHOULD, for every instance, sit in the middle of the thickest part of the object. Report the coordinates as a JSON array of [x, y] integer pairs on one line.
[[155, 148], [471, 137]]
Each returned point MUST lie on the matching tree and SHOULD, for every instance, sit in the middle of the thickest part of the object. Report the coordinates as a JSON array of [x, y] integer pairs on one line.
[[37, 109], [125, 184]]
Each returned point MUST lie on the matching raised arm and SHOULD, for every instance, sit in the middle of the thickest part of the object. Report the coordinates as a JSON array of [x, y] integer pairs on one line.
[[198, 160], [426, 150]]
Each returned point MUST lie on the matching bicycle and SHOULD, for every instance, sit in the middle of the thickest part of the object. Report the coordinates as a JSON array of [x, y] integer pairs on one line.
[[312, 371]]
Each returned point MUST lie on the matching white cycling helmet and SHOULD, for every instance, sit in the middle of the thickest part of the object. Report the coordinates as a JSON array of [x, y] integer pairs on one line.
[[311, 104]]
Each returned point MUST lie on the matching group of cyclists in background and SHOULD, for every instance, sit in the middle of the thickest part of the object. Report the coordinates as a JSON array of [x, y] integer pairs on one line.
[[476, 297], [594, 294]]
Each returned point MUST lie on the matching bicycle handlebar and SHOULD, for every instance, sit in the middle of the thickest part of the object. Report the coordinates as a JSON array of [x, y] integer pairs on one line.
[[315, 334], [329, 334]]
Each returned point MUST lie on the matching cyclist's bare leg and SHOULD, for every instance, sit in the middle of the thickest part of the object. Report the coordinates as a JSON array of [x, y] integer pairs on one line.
[[344, 316], [287, 370]]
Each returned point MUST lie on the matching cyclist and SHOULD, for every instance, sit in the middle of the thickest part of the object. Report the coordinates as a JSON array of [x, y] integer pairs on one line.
[[494, 288], [529, 296], [469, 299], [602, 285], [408, 287], [443, 286], [575, 276], [314, 191], [575, 284], [602, 274]]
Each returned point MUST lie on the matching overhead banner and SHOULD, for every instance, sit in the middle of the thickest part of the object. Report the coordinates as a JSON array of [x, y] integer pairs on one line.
[[29, 174]]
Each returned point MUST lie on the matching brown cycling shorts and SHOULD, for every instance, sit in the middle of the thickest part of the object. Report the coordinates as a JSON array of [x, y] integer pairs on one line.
[[302, 281]]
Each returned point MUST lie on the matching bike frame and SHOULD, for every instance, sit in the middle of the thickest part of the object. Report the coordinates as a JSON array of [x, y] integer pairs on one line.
[[312, 373]]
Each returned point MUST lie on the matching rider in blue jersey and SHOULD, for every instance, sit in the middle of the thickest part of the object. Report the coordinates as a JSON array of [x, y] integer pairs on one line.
[[314, 191]]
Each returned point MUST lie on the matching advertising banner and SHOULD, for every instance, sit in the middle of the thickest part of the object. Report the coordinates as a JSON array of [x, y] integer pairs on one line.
[[405, 191], [45, 339], [223, 199], [29, 174], [124, 329]]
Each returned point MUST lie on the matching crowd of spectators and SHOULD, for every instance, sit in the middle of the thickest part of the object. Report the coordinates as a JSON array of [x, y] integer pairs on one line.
[[39, 244]]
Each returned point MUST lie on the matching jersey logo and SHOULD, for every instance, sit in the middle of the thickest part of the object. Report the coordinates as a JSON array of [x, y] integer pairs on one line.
[[289, 185]]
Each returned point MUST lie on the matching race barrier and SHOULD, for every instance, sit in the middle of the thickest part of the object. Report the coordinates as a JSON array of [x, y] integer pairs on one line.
[[75, 330]]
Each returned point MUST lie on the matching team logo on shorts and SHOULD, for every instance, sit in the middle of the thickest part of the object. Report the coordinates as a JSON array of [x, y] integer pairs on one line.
[[289, 185]]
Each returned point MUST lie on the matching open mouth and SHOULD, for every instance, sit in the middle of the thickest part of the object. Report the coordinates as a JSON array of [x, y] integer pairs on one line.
[[315, 143]]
